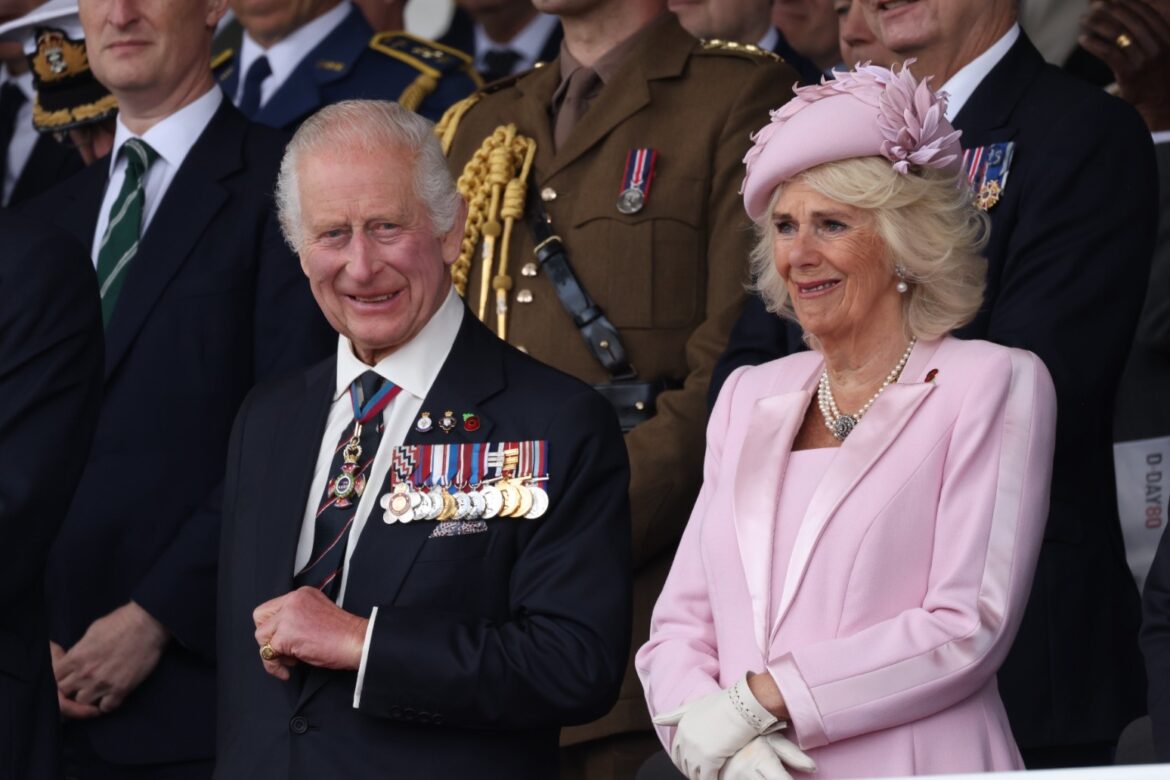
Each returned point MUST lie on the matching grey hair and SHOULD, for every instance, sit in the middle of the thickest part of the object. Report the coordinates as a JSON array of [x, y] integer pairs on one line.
[[370, 126], [928, 224]]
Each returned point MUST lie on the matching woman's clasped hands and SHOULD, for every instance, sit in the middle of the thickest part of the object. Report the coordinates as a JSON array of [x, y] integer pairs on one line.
[[729, 735]]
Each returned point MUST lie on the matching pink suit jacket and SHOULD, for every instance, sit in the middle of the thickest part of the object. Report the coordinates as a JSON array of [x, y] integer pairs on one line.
[[907, 579]]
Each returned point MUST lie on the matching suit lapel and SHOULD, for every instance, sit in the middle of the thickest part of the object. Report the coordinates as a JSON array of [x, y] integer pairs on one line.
[[49, 163], [856, 456], [300, 94], [986, 115], [83, 198], [758, 479], [191, 202], [294, 458], [663, 54]]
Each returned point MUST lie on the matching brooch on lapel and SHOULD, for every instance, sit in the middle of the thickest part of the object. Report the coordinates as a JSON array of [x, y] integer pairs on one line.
[[987, 170], [467, 482]]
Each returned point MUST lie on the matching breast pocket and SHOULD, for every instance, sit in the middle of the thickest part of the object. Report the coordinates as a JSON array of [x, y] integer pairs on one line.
[[646, 269]]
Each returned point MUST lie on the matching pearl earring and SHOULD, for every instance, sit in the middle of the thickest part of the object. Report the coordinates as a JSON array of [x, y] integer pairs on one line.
[[901, 286]]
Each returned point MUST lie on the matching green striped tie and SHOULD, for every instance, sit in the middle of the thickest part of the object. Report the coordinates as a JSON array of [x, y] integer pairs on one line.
[[120, 241]]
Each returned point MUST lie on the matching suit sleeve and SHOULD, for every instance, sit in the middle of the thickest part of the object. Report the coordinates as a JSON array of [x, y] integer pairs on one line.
[[51, 359], [992, 505], [559, 657], [680, 663], [666, 451], [1154, 327], [289, 335]]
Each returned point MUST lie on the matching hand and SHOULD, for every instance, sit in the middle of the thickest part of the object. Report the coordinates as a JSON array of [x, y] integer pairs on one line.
[[714, 728], [765, 758], [114, 656], [68, 707], [306, 626], [1141, 67]]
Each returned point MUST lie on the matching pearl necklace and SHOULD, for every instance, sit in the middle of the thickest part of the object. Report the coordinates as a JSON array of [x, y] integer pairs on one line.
[[840, 425]]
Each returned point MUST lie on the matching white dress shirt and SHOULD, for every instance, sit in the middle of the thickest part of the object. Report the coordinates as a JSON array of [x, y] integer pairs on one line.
[[284, 56], [528, 43], [172, 138], [413, 367], [770, 39], [24, 135], [963, 84]]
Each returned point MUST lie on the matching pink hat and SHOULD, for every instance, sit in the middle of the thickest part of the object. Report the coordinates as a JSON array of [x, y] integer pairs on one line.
[[866, 112]]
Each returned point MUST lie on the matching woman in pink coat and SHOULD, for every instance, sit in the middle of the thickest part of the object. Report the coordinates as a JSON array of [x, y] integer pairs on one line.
[[860, 554]]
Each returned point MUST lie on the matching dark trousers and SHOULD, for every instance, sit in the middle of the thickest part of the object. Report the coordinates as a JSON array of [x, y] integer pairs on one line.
[[1068, 756]]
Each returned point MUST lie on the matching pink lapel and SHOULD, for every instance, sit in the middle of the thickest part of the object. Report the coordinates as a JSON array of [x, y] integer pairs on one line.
[[772, 427], [880, 427]]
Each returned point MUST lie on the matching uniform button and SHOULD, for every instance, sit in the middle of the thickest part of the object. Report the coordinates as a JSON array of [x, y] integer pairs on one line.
[[524, 296], [547, 194], [409, 713], [395, 711], [529, 269], [298, 725]]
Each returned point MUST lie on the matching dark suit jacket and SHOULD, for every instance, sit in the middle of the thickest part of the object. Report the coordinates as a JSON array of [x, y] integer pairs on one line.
[[1061, 283], [461, 35], [50, 383], [808, 70], [343, 66], [1141, 411], [484, 644], [49, 163], [213, 302]]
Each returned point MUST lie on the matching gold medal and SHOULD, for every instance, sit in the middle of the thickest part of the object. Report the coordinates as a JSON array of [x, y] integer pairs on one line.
[[511, 498], [449, 506], [525, 501]]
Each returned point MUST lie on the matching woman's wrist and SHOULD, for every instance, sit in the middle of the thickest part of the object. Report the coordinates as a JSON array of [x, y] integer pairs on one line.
[[767, 693]]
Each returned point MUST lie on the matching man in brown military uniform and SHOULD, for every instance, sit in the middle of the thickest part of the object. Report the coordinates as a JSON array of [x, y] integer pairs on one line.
[[634, 138]]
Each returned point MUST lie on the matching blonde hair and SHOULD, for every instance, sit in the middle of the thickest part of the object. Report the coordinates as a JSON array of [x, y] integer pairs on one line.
[[928, 224]]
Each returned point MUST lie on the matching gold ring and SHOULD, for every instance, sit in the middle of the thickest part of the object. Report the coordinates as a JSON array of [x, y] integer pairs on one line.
[[1123, 41], [266, 652]]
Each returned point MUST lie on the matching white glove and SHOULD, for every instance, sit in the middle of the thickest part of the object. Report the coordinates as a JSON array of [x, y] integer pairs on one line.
[[766, 757], [714, 728]]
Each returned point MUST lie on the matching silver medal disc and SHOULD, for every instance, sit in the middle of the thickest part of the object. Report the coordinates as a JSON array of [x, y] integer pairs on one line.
[[493, 500], [478, 504], [462, 505], [631, 201], [539, 502]]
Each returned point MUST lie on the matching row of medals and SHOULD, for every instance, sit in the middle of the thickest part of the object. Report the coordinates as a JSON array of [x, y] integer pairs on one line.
[[507, 497]]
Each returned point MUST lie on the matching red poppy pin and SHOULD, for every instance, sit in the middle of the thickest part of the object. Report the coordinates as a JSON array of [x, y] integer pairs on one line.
[[470, 422], [931, 374]]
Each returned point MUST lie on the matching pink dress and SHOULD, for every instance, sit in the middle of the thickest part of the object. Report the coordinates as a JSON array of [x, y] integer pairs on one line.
[[801, 477]]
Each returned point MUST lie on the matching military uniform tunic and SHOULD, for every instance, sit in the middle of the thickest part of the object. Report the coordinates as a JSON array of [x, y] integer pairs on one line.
[[669, 276]]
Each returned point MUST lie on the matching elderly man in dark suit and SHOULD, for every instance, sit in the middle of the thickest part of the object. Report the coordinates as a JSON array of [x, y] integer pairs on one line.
[[1074, 678], [382, 609], [50, 380], [200, 299]]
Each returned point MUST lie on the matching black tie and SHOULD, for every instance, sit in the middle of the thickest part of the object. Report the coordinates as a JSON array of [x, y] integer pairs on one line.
[[257, 72], [338, 506], [498, 63], [11, 99]]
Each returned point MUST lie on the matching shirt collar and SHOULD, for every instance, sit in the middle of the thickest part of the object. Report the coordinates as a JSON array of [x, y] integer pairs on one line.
[[284, 55], [609, 65], [963, 84], [770, 39], [415, 364], [173, 136], [528, 43]]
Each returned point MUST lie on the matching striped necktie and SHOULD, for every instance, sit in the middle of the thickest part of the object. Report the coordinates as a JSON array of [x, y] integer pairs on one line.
[[120, 241], [369, 395]]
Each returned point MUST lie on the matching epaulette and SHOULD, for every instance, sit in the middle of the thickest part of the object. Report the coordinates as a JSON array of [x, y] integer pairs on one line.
[[432, 61], [221, 57], [747, 50]]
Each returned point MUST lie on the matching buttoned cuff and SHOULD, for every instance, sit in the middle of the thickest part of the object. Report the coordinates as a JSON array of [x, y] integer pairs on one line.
[[361, 674]]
